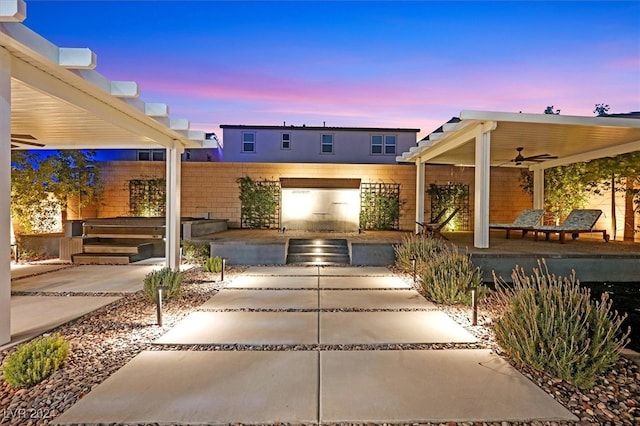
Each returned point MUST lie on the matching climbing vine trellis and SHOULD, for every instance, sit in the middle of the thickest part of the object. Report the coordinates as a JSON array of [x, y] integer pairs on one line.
[[451, 196], [147, 197], [259, 203], [380, 206]]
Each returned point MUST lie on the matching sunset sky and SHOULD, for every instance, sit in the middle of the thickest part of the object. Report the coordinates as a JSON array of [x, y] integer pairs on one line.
[[357, 63]]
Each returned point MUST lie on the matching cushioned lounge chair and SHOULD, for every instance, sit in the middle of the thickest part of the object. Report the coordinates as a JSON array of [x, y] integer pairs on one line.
[[524, 222], [434, 229], [579, 221]]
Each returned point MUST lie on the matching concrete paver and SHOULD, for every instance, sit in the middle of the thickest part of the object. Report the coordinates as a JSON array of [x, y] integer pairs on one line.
[[87, 278], [34, 315], [263, 299], [346, 282], [358, 271], [253, 281], [252, 328], [372, 299], [337, 328], [429, 386], [19, 270], [281, 270], [191, 387]]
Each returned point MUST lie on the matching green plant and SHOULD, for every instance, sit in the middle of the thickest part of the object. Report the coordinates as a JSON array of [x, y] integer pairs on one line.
[[259, 202], [419, 248], [380, 206], [166, 277], [449, 197], [195, 251], [35, 361], [213, 264], [551, 324], [147, 197], [449, 276]]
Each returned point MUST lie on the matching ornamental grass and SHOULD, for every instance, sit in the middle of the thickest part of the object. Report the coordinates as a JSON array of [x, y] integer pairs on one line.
[[551, 323], [168, 279], [33, 362]]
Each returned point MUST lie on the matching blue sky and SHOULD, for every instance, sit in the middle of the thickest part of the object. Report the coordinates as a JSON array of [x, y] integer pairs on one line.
[[357, 63]]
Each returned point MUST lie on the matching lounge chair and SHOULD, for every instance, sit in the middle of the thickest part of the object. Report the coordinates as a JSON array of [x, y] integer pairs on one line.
[[579, 221], [434, 229], [524, 222]]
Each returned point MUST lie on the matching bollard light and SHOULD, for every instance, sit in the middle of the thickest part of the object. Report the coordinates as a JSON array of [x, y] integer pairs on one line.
[[160, 290], [224, 264], [413, 265], [474, 307]]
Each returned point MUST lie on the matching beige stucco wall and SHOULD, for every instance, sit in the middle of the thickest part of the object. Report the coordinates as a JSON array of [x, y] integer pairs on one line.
[[212, 187]]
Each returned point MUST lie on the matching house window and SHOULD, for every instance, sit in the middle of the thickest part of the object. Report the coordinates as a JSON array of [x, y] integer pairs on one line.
[[327, 144], [248, 142], [390, 144], [376, 144], [286, 141], [151, 154]]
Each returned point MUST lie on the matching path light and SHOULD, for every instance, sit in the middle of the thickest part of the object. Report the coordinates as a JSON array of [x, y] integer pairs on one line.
[[414, 262], [474, 307], [224, 265], [161, 289]]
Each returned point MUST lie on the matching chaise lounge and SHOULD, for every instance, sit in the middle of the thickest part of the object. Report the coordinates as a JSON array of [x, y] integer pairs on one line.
[[579, 221], [524, 222], [434, 229]]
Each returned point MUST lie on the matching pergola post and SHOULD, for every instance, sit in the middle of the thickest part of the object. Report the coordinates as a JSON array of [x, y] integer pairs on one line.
[[5, 196], [482, 181], [420, 170], [538, 188], [172, 243]]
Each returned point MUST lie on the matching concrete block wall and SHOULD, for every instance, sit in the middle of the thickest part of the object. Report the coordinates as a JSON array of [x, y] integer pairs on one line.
[[212, 187]]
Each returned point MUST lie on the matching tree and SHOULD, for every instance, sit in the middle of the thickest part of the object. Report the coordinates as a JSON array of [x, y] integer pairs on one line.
[[550, 110], [41, 185], [601, 109]]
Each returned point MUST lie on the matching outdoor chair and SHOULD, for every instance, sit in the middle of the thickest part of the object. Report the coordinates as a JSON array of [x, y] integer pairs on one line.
[[434, 229], [524, 222], [578, 222]]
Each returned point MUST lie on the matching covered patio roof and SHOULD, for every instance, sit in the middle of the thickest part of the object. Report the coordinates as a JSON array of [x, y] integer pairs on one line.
[[485, 139], [53, 98]]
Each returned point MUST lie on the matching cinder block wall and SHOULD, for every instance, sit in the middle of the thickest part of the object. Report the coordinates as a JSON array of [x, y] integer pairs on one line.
[[212, 187]]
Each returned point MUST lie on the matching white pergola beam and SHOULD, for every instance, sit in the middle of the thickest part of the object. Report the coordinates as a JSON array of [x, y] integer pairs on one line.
[[450, 142], [611, 151], [574, 120], [172, 242], [13, 10], [482, 184], [154, 109], [5, 196], [76, 58], [420, 189], [125, 89]]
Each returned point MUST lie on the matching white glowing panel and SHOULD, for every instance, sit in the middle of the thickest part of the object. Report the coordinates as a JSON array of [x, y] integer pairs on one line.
[[321, 209]]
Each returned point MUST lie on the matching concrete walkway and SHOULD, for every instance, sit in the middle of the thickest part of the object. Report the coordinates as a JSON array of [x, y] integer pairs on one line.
[[315, 345], [46, 295]]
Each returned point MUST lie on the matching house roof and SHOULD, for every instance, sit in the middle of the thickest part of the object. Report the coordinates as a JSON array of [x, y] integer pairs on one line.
[[570, 138], [316, 128]]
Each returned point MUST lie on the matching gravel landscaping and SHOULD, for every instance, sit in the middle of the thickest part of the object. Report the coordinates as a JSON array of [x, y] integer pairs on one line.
[[105, 340]]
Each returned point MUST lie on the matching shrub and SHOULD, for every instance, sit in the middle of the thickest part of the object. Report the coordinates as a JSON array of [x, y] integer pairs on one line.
[[33, 362], [449, 276], [195, 251], [551, 324], [213, 264], [165, 277], [416, 247]]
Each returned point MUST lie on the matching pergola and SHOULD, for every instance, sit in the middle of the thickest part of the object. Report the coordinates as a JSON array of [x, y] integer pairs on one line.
[[484, 139], [52, 98]]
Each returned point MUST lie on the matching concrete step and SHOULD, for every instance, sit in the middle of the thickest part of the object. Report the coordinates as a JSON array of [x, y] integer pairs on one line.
[[318, 252], [100, 259], [110, 248]]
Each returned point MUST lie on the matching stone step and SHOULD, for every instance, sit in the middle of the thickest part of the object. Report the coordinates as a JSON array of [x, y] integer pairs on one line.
[[101, 259], [318, 252]]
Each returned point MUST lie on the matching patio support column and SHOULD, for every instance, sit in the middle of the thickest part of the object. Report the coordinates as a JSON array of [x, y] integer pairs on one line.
[[538, 188], [172, 243], [482, 181], [420, 170], [5, 196]]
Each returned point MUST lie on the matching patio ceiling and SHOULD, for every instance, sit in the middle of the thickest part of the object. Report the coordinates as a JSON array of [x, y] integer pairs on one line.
[[570, 138]]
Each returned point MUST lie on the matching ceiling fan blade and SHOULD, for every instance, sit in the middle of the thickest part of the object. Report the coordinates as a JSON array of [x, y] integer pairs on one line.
[[23, 136], [540, 157], [21, 142]]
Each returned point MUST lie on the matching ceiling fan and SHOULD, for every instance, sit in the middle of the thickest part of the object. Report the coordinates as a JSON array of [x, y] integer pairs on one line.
[[19, 140], [540, 157]]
